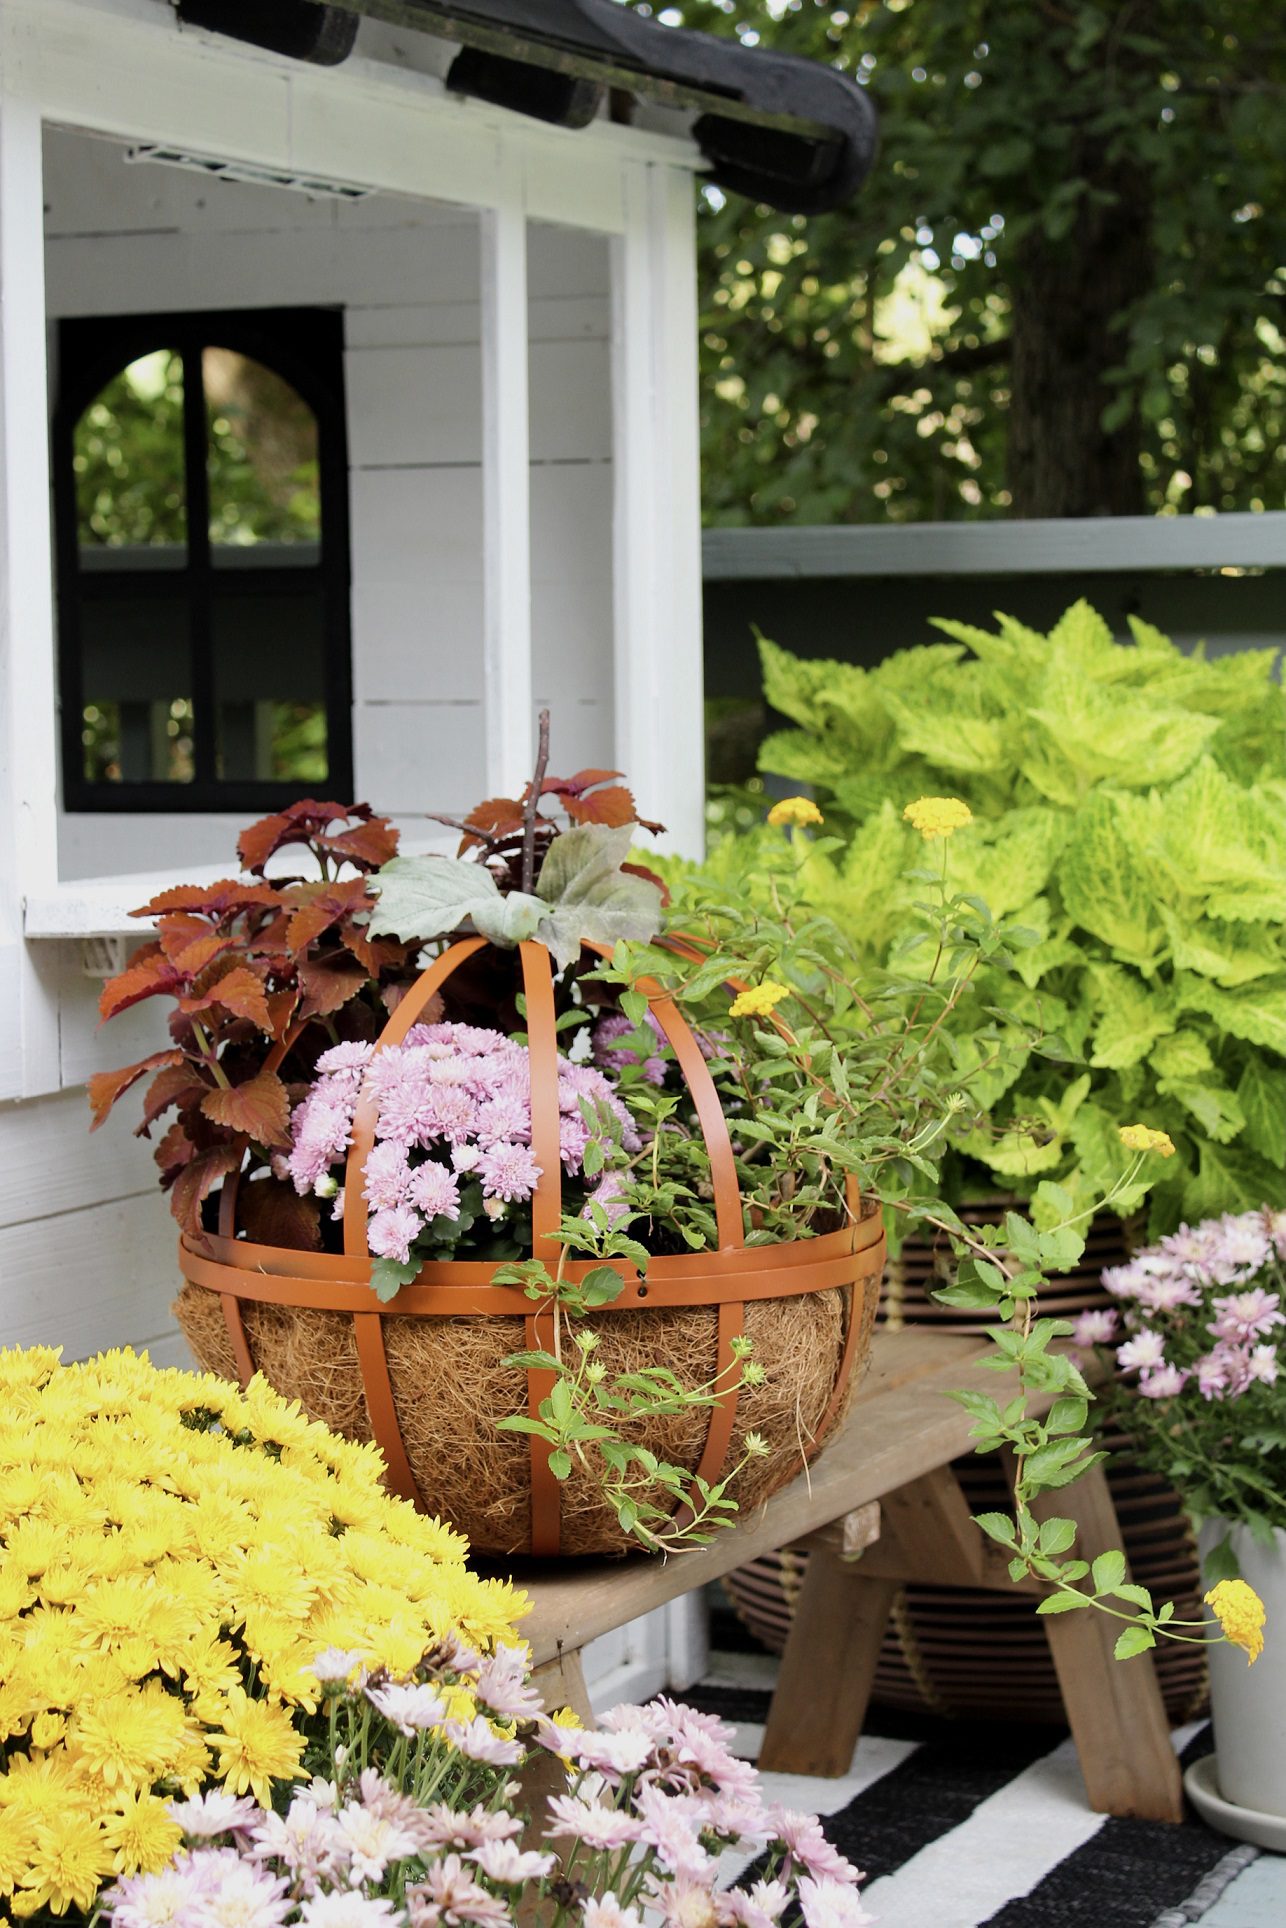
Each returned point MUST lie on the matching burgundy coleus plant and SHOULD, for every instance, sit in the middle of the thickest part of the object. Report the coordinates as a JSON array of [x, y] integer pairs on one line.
[[263, 975], [503, 830]]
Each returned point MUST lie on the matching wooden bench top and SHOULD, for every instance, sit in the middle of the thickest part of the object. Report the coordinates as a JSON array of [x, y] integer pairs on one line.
[[901, 1426]]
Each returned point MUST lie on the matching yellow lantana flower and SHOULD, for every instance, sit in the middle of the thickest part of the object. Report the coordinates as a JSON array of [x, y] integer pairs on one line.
[[795, 810], [1143, 1138], [937, 816], [758, 1001], [1240, 1613]]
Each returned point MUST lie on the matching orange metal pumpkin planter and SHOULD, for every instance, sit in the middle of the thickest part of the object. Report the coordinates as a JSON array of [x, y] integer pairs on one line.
[[424, 1376]]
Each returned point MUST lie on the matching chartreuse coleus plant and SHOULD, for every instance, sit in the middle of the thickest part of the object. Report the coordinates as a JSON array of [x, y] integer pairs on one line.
[[837, 1082], [1129, 805]]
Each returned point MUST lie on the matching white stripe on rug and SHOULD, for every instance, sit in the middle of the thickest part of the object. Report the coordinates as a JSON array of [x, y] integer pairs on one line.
[[1010, 1842]]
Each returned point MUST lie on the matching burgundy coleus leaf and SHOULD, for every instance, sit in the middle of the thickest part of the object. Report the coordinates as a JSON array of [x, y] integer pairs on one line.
[[369, 845], [328, 983], [308, 821], [650, 877], [315, 907], [494, 818], [260, 1108], [282, 1006], [575, 786], [105, 1087], [149, 975], [192, 956], [197, 1178], [178, 1084], [227, 897], [238, 991], [376, 954], [271, 1213], [612, 806], [175, 1150]]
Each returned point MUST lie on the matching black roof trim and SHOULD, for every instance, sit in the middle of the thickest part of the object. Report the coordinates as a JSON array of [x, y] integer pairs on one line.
[[779, 128]]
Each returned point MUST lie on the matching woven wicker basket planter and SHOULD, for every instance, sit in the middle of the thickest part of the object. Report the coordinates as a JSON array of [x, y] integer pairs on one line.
[[423, 1375], [953, 1651]]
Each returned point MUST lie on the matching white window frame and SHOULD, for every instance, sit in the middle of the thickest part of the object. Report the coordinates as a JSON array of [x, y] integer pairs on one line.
[[121, 68]]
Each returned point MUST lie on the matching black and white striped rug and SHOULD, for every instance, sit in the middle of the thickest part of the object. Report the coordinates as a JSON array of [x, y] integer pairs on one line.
[[959, 1825]]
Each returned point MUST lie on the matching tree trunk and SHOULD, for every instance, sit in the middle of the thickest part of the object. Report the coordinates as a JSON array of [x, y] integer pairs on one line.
[[1068, 297]]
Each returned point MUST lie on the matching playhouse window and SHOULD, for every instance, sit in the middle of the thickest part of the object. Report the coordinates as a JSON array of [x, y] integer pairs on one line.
[[200, 479]]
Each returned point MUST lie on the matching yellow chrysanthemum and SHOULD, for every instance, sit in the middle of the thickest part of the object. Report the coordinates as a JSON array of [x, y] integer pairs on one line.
[[140, 1833], [130, 1740], [257, 1745], [795, 810], [17, 1839], [937, 816], [1143, 1138], [164, 1591], [69, 1861], [758, 1001], [1240, 1613]]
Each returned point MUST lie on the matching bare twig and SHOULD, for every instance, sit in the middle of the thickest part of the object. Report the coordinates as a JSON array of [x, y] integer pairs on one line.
[[530, 807]]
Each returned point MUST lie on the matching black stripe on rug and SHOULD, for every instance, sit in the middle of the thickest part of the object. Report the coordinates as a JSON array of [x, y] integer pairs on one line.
[[931, 1792], [749, 1705], [1128, 1874]]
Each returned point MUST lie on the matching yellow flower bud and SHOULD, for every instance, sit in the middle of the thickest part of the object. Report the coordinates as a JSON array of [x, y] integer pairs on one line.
[[1240, 1613], [1143, 1138], [937, 816], [795, 810], [758, 1001]]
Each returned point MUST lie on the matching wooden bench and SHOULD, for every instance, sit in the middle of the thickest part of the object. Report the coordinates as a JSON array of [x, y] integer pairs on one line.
[[878, 1509]]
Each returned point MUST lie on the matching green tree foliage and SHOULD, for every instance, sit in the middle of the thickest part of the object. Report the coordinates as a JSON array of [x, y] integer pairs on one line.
[[1059, 293]]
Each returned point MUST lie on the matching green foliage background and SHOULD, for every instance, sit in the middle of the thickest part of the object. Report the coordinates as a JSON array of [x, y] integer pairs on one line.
[[857, 365]]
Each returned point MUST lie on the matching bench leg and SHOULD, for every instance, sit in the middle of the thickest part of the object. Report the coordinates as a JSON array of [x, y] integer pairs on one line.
[[827, 1668], [1114, 1707], [560, 1682]]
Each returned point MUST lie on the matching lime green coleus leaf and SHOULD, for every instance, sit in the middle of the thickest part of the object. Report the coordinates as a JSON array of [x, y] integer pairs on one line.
[[803, 758], [1185, 1054], [1216, 1109], [1215, 836], [1230, 1179], [1134, 1014], [1261, 1093], [1230, 953], [1008, 863], [1106, 886], [1255, 1012]]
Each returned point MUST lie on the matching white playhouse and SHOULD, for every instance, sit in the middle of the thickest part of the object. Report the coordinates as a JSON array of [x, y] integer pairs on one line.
[[401, 297]]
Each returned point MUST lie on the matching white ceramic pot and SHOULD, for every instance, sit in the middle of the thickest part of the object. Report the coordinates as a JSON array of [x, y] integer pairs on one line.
[[1248, 1703]]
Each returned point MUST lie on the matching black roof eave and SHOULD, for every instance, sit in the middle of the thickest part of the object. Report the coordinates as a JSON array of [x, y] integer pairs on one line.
[[776, 127]]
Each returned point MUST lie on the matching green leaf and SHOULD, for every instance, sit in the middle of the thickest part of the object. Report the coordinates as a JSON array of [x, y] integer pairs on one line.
[[388, 1276], [1108, 1571], [1067, 1415], [1261, 1093], [588, 896], [997, 1526], [1134, 1640], [425, 897], [602, 1286], [1063, 1603], [1056, 1536], [560, 1464], [1105, 886]]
